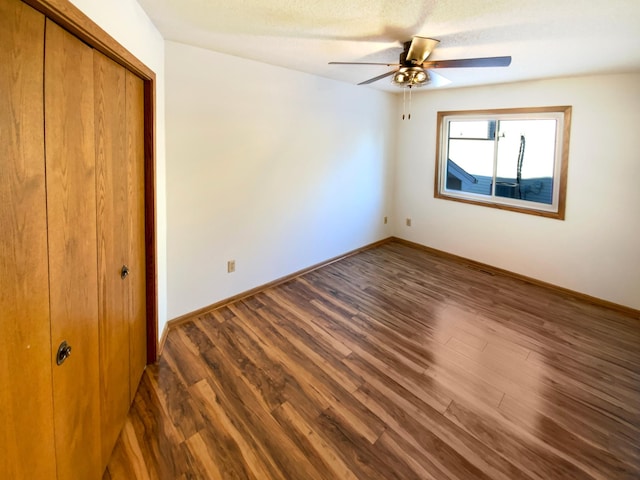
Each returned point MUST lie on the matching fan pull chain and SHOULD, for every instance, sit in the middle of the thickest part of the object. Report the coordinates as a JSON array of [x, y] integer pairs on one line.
[[404, 103]]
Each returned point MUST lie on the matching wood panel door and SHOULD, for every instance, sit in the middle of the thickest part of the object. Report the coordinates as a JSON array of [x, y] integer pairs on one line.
[[71, 199], [119, 122], [113, 239], [136, 257], [26, 407], [72, 213]]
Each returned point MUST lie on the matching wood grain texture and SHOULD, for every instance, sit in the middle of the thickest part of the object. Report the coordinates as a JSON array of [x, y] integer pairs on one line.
[[67, 15], [71, 200], [70, 17], [135, 228], [26, 406], [151, 267], [119, 114], [112, 195], [392, 364]]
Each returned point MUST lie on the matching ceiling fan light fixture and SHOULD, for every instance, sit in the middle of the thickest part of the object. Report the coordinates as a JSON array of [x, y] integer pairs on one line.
[[400, 77], [410, 77]]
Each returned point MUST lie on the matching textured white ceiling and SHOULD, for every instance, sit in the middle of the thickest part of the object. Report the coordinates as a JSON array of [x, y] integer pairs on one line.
[[546, 38]]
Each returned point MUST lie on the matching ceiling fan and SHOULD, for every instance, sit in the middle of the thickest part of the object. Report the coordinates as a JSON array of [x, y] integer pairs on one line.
[[412, 68]]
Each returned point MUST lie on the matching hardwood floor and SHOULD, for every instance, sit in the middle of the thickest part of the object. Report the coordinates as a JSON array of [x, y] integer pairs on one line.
[[392, 364]]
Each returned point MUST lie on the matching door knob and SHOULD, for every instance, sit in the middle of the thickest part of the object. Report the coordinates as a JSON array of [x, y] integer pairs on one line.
[[124, 272], [64, 350]]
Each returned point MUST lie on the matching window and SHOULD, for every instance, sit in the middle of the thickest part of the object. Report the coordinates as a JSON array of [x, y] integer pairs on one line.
[[513, 159]]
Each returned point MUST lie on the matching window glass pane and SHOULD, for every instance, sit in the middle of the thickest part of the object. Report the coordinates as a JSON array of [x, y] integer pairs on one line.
[[479, 129], [470, 162], [526, 152]]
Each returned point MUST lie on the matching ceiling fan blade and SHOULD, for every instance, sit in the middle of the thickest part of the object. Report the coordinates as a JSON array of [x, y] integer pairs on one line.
[[469, 62], [421, 48], [364, 63], [379, 77]]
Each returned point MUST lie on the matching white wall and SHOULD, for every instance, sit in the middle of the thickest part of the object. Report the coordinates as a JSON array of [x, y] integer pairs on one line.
[[127, 23], [276, 169], [596, 249], [287, 170]]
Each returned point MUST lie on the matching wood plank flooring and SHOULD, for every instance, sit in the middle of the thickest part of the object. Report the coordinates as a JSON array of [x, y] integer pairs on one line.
[[392, 364]]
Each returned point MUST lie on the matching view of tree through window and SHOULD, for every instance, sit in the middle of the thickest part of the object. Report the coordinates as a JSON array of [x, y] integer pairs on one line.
[[511, 158]]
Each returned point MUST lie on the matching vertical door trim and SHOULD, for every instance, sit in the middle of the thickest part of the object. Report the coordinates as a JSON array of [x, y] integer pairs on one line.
[[68, 16]]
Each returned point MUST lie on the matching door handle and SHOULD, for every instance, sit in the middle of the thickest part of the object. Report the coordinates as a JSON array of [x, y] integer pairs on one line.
[[64, 351]]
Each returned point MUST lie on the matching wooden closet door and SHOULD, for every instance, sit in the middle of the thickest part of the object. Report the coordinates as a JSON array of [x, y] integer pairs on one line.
[[136, 257], [113, 245], [119, 121], [70, 180], [26, 406]]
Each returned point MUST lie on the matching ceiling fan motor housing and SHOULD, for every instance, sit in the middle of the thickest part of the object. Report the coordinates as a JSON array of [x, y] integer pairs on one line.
[[405, 51]]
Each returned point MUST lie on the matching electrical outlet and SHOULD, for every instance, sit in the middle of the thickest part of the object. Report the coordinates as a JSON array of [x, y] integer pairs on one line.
[[385, 220], [408, 222], [231, 266]]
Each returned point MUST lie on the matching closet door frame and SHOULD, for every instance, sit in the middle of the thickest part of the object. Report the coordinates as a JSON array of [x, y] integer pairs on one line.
[[68, 16]]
